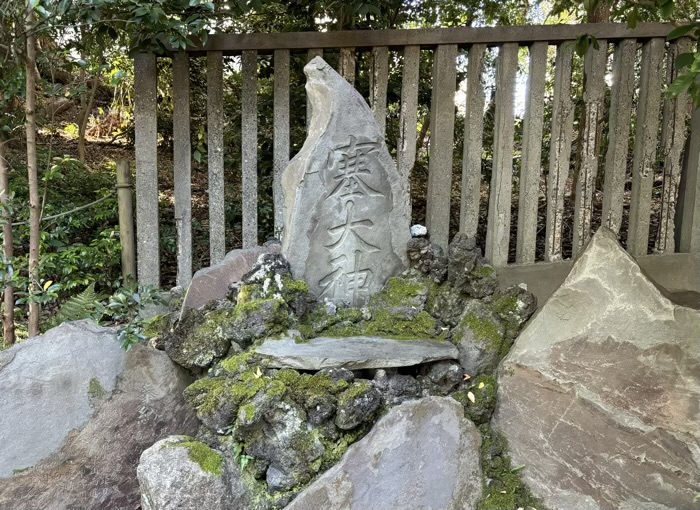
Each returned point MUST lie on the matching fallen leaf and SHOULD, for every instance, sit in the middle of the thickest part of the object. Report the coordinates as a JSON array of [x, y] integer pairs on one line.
[[481, 385], [471, 397]]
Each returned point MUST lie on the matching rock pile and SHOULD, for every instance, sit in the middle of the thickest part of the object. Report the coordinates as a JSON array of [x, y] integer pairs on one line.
[[291, 382]]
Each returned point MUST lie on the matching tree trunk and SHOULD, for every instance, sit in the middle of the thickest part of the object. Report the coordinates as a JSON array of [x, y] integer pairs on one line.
[[85, 115], [34, 220], [8, 316]]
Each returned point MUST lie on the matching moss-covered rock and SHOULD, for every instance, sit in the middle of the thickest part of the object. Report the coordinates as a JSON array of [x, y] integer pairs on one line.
[[479, 337], [503, 488], [202, 337], [514, 306], [478, 398], [446, 304], [282, 419], [356, 405], [208, 459], [158, 325], [403, 296]]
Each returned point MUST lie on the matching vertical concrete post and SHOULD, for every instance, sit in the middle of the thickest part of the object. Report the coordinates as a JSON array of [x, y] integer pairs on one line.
[[146, 147]]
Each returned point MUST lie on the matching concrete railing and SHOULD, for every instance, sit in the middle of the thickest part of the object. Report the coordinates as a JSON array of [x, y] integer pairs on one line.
[[640, 60]]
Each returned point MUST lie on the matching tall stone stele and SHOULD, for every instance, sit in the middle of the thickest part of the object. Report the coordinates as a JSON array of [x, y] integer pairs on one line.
[[346, 207]]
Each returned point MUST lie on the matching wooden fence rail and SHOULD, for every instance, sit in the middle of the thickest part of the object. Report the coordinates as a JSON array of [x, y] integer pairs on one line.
[[541, 179]]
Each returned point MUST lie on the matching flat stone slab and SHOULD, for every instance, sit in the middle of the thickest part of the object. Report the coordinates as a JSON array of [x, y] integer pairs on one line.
[[423, 455], [599, 396], [346, 207], [354, 353]]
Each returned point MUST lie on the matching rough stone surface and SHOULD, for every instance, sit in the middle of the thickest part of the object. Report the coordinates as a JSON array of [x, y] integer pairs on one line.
[[462, 255], [428, 258], [94, 466], [53, 372], [421, 455], [599, 395], [171, 480], [212, 283], [346, 208], [353, 353], [356, 405], [396, 388], [479, 338]]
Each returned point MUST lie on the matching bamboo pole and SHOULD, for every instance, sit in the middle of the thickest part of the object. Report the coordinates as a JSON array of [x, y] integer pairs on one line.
[[126, 219]]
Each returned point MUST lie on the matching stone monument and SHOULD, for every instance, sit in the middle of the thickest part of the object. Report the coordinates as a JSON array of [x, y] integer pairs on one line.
[[346, 207]]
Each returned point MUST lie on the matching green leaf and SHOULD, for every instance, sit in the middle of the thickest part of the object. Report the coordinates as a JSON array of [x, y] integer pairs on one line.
[[681, 84], [681, 31], [683, 60], [666, 9]]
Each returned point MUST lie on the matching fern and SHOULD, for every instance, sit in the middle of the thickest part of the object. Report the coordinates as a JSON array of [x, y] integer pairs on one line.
[[85, 305]]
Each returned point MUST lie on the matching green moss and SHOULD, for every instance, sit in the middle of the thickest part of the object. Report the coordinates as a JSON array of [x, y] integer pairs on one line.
[[95, 390], [483, 329], [398, 292], [156, 326], [505, 305], [248, 411], [354, 391], [206, 394], [209, 460], [237, 363], [294, 286], [483, 271], [245, 293], [484, 389], [389, 325], [504, 490]]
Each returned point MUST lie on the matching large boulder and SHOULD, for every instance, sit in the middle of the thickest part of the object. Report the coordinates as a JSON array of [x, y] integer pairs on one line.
[[346, 207], [77, 411], [599, 396], [422, 454], [180, 473]]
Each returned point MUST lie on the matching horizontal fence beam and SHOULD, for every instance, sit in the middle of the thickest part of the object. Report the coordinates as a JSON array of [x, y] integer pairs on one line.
[[462, 36]]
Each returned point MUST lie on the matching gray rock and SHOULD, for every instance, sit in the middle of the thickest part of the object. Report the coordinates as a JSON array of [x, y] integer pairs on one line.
[[55, 372], [200, 338], [514, 306], [338, 374], [278, 434], [403, 296], [356, 405], [599, 395], [346, 208], [212, 283], [481, 281], [80, 456], [446, 305], [422, 454], [428, 258], [171, 479], [443, 376], [396, 388], [462, 255], [479, 338], [353, 353], [267, 264]]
